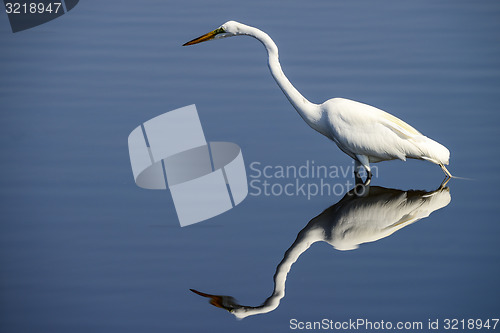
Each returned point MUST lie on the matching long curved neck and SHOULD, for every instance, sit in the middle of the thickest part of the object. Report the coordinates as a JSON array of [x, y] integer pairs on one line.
[[306, 237], [310, 112]]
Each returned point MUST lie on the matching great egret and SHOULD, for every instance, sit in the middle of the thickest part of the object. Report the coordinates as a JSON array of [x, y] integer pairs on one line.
[[354, 220], [363, 132]]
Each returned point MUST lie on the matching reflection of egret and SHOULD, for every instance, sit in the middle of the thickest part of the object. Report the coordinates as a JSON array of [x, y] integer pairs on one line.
[[363, 132], [352, 221]]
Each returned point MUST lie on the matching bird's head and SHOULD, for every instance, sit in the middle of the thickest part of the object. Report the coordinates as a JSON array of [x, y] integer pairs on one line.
[[228, 29]]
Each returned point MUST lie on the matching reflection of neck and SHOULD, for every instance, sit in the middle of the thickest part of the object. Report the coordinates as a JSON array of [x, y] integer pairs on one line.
[[304, 240]]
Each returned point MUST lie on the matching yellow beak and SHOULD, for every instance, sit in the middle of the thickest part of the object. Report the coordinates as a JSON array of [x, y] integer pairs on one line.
[[205, 37]]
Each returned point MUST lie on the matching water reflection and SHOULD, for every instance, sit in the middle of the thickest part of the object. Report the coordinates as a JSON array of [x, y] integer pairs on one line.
[[365, 214]]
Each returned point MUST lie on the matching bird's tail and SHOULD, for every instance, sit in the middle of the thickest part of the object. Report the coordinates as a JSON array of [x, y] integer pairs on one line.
[[436, 153]]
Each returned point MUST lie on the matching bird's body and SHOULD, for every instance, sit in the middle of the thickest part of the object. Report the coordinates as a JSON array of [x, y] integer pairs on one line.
[[365, 133], [363, 130]]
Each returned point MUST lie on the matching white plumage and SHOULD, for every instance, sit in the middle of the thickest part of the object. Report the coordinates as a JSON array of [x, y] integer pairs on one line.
[[360, 129], [365, 133]]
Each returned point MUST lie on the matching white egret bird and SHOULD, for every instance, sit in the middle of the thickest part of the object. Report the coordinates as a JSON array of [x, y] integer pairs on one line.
[[363, 132]]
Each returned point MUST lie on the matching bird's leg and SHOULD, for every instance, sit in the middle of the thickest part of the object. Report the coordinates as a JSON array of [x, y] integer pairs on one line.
[[443, 183], [365, 162], [446, 172], [357, 168], [368, 178], [361, 188]]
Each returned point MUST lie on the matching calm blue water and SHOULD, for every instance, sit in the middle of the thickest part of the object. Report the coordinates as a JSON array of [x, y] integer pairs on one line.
[[82, 248]]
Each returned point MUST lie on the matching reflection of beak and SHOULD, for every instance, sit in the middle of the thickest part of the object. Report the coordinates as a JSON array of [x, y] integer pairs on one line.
[[214, 299], [205, 37], [223, 302]]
